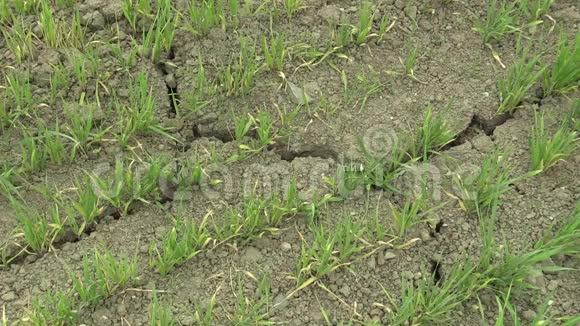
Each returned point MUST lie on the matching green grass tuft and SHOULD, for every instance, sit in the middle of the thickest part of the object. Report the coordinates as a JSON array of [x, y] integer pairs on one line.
[[564, 76], [547, 150], [520, 78]]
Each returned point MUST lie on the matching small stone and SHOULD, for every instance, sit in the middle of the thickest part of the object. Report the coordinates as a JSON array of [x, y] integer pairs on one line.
[[298, 95], [408, 275], [280, 301], [372, 263], [9, 296], [30, 259], [93, 20], [330, 13], [208, 118], [483, 144], [529, 315], [170, 81], [286, 246], [381, 260], [102, 315], [251, 255], [411, 12], [400, 4], [160, 231], [187, 320], [424, 235], [553, 285], [345, 290], [112, 11], [121, 309], [417, 275], [389, 255]]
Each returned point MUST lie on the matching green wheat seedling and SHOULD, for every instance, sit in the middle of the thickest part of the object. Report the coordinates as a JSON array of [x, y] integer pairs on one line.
[[362, 31], [167, 23], [88, 289], [376, 228], [33, 155], [85, 203], [80, 125], [76, 35], [59, 82], [204, 312], [242, 125], [53, 145], [204, 15], [514, 269], [51, 30], [136, 9], [346, 91], [409, 64], [413, 212], [292, 7], [544, 316], [238, 77], [19, 93], [125, 58], [317, 205], [368, 85], [102, 276], [276, 209], [185, 240], [53, 308], [6, 116], [114, 272], [33, 227], [114, 190], [264, 127], [535, 9], [80, 67], [18, 39], [65, 3], [234, 7], [380, 169], [129, 12], [5, 12], [27, 6], [432, 136], [384, 27], [275, 52], [139, 116], [520, 78], [7, 176], [329, 250], [245, 224], [479, 192], [190, 173], [160, 314], [203, 92], [564, 76], [547, 150], [341, 37], [146, 180], [499, 21], [432, 303], [160, 35], [250, 311]]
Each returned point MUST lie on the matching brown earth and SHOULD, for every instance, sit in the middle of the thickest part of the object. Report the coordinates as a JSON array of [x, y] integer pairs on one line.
[[453, 67]]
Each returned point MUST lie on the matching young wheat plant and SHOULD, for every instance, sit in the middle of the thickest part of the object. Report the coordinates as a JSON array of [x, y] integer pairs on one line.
[[547, 150]]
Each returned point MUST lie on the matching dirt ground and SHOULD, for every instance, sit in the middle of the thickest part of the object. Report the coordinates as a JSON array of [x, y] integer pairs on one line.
[[453, 67]]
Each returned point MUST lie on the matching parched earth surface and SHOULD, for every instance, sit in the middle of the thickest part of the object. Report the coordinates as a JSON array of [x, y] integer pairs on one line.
[[455, 74]]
